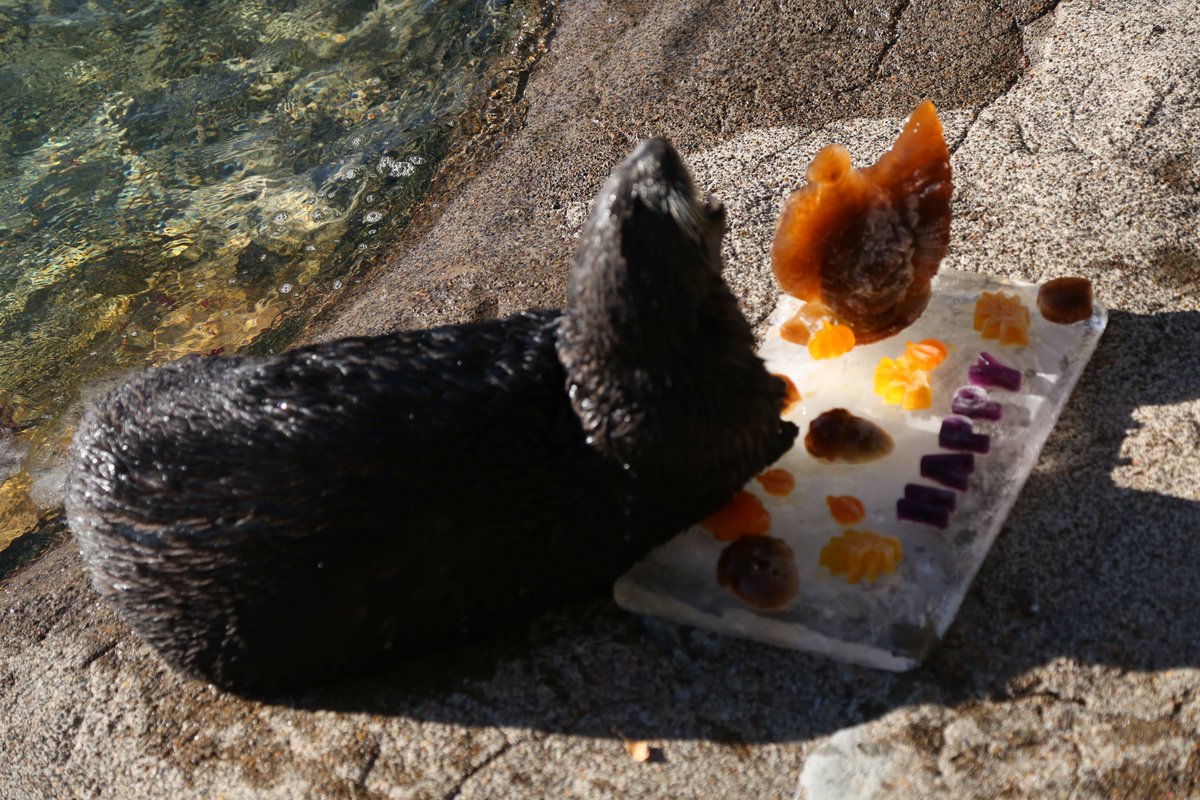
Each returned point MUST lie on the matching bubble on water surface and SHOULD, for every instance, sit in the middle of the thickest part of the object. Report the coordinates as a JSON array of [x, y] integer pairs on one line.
[[400, 169]]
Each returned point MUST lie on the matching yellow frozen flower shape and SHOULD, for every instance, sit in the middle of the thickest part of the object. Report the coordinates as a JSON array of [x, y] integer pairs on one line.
[[1002, 316], [862, 554]]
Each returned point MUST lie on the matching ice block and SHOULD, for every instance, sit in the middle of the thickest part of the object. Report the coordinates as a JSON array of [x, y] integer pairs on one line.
[[893, 622]]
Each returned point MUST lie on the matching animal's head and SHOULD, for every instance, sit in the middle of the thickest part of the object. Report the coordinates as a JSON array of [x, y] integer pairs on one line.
[[660, 362], [649, 256]]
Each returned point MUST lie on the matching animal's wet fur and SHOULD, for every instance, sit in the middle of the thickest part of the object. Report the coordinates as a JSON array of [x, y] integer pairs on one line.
[[266, 521]]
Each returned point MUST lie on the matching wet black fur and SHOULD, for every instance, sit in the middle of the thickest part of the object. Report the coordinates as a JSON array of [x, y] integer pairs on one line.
[[266, 521]]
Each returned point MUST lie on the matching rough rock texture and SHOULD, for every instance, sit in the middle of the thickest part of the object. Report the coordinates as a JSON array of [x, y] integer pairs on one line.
[[1074, 665], [699, 72]]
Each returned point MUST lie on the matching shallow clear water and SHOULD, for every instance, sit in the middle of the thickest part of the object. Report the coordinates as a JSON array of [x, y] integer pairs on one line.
[[184, 176]]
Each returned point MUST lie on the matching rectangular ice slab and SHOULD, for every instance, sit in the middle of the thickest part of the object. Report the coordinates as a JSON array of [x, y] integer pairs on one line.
[[892, 623]]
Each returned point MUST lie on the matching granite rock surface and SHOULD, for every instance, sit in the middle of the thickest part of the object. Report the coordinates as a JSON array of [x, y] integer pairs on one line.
[[1073, 669]]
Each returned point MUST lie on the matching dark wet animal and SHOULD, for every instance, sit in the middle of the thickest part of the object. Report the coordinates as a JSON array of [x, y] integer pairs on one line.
[[267, 522]]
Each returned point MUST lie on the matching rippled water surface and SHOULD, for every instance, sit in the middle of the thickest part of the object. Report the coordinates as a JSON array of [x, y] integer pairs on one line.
[[182, 177]]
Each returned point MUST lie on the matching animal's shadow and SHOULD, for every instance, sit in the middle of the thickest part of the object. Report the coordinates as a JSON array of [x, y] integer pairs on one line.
[[1088, 568]]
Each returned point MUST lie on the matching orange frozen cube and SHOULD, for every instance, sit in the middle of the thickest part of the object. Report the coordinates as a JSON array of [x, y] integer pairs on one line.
[[900, 383]]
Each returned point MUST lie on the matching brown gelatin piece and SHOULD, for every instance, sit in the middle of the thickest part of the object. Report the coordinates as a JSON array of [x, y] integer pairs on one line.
[[760, 571], [867, 243], [806, 321], [795, 330], [1065, 300], [777, 481], [793, 394], [744, 515], [839, 436]]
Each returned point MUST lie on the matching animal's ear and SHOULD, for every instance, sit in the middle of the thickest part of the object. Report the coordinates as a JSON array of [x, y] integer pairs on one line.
[[714, 211], [714, 214]]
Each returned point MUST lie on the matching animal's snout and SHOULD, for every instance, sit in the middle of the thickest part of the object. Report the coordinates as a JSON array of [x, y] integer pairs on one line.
[[656, 160]]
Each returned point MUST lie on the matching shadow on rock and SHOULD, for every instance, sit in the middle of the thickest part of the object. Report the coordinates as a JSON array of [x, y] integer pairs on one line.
[[1091, 567], [1096, 563]]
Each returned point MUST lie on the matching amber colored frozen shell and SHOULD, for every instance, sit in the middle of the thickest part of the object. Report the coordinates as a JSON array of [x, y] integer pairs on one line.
[[867, 242], [805, 323], [1065, 300], [845, 508], [777, 481]]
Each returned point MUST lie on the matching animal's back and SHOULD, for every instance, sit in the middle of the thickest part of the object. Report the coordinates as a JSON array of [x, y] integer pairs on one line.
[[345, 496]]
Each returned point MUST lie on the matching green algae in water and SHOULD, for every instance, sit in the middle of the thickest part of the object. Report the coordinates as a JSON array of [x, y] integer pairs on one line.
[[181, 177]]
